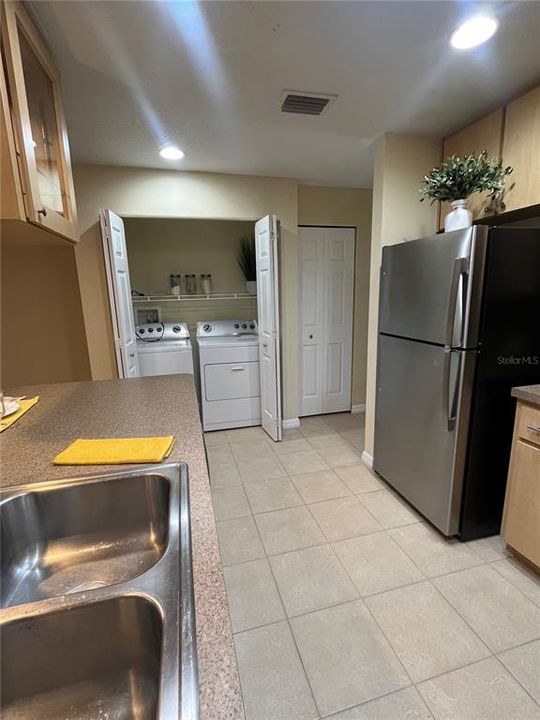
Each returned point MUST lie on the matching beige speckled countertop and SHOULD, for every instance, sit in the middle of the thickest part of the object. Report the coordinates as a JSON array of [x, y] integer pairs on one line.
[[528, 393], [164, 405]]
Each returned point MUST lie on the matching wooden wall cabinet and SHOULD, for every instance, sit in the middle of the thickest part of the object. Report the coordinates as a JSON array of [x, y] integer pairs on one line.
[[37, 183], [521, 519], [510, 134], [485, 134], [521, 150]]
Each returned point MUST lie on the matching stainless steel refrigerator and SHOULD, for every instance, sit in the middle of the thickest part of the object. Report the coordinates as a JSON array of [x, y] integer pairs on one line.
[[459, 326]]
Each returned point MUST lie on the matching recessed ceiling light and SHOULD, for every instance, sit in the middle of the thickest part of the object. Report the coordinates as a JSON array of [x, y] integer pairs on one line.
[[474, 32], [170, 152]]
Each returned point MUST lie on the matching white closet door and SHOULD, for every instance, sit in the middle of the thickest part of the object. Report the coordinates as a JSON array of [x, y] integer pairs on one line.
[[116, 265], [326, 322], [312, 319], [266, 248]]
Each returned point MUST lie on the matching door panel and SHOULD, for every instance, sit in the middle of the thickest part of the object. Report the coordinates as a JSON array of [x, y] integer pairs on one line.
[[311, 325], [326, 317], [334, 369], [232, 380], [417, 450], [423, 280], [266, 248], [116, 264], [311, 375]]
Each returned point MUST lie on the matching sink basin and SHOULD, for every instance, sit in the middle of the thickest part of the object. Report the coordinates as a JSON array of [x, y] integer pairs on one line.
[[94, 661], [81, 537], [98, 613]]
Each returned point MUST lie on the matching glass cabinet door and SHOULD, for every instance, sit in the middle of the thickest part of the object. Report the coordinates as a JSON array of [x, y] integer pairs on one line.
[[39, 123], [43, 125]]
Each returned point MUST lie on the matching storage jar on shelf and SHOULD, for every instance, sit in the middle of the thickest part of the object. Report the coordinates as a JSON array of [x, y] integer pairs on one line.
[[206, 284]]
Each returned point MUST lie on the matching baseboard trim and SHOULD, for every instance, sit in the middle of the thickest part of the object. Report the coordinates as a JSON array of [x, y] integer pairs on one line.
[[358, 408], [367, 458], [290, 423]]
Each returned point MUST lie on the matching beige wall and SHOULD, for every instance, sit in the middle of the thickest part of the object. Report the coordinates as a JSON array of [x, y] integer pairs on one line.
[[158, 247], [137, 192], [399, 165], [43, 338], [350, 207]]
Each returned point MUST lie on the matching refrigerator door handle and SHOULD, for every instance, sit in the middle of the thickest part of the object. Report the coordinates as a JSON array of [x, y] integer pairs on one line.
[[450, 396], [461, 268]]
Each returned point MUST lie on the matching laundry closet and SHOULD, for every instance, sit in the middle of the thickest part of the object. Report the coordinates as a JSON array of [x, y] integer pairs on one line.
[[184, 300]]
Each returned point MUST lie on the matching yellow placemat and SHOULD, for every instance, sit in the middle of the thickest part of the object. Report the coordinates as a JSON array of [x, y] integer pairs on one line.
[[116, 451], [25, 407]]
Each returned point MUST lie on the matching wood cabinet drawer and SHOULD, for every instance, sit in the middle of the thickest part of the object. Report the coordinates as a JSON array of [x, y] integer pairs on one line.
[[521, 523], [528, 423]]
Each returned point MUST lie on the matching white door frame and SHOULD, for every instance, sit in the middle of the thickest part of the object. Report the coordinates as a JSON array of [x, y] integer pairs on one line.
[[321, 409]]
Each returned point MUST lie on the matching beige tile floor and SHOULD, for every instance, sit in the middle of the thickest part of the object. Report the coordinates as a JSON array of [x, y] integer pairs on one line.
[[345, 605]]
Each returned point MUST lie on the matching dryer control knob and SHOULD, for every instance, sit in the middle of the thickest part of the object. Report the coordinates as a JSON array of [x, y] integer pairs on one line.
[[236, 326], [207, 327]]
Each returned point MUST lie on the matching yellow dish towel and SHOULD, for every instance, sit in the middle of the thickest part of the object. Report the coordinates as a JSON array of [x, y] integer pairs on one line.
[[25, 407], [116, 451]]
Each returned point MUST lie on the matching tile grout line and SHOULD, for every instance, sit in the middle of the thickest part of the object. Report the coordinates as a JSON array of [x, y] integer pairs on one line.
[[287, 619], [360, 598], [483, 562], [266, 557], [227, 594], [514, 677], [449, 604], [492, 563], [379, 697], [437, 590], [493, 652], [391, 647]]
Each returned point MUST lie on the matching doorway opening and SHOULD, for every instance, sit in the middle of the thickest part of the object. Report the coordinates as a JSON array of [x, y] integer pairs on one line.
[[184, 275]]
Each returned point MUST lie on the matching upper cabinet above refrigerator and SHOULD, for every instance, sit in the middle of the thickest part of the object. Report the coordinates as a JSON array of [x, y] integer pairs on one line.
[[37, 183]]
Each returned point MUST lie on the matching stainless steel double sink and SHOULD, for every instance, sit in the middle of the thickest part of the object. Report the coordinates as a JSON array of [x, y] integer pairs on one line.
[[97, 618]]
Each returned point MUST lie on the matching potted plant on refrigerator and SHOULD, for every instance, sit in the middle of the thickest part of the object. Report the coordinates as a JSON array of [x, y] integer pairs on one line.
[[457, 178], [248, 263]]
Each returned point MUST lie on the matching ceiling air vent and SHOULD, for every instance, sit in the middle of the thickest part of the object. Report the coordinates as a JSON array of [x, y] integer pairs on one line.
[[304, 103]]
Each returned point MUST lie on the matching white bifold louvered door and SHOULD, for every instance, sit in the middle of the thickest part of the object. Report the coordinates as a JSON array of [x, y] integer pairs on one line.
[[266, 250], [119, 286], [326, 268]]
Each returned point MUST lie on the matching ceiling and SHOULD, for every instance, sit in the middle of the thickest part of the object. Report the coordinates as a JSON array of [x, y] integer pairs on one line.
[[209, 76]]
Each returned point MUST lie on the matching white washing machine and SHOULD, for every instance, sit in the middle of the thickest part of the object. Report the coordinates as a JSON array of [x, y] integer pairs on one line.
[[164, 349], [229, 373]]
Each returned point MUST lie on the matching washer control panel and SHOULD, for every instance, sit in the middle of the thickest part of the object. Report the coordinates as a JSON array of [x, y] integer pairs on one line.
[[152, 332], [224, 328]]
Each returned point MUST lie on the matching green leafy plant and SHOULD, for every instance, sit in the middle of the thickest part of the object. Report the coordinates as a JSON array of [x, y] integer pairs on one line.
[[458, 177], [246, 257]]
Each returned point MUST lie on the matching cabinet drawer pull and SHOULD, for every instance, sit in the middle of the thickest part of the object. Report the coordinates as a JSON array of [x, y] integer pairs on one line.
[[534, 428], [237, 368]]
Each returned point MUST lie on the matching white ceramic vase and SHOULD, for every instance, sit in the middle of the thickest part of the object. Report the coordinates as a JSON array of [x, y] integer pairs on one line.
[[251, 286], [459, 218]]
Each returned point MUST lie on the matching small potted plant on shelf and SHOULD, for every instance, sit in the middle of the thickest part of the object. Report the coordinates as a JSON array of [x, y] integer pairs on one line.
[[459, 177], [248, 262]]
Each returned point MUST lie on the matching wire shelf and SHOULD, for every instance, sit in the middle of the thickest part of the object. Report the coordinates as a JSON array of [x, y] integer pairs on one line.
[[189, 298]]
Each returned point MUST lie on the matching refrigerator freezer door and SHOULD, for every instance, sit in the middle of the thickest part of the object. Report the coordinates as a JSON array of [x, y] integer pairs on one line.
[[421, 424], [431, 288]]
